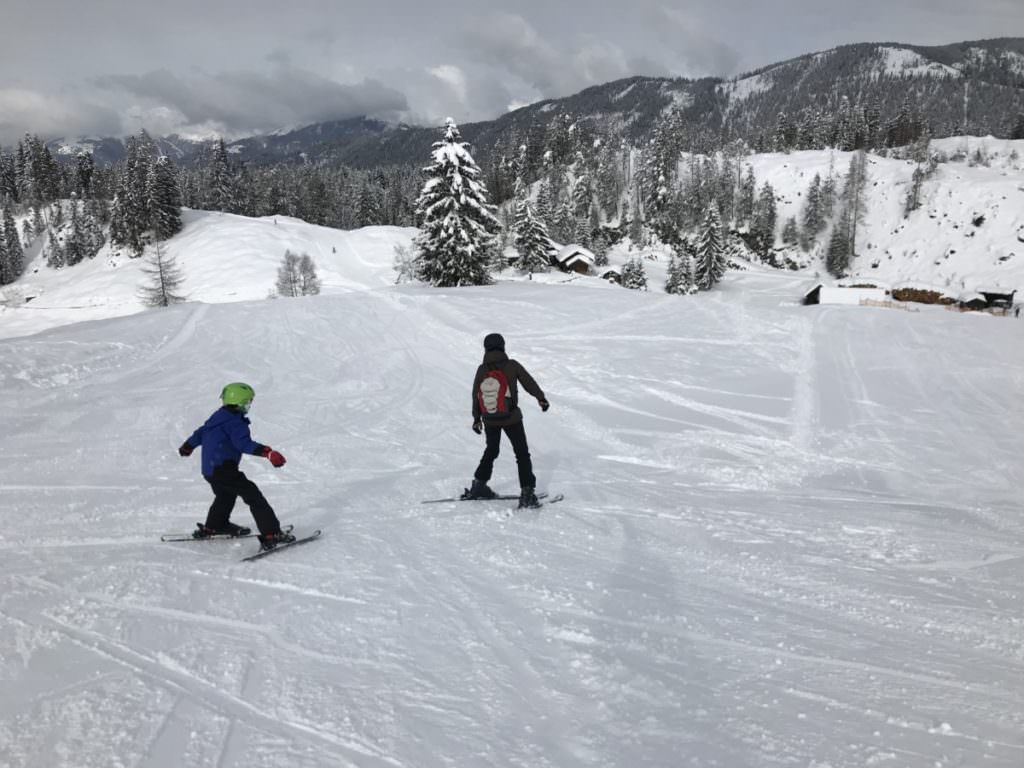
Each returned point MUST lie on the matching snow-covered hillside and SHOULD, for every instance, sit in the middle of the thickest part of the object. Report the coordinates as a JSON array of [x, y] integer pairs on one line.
[[791, 535], [968, 233]]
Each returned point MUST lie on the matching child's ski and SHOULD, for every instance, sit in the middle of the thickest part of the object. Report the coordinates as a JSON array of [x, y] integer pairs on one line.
[[212, 537], [499, 497], [264, 552], [552, 500]]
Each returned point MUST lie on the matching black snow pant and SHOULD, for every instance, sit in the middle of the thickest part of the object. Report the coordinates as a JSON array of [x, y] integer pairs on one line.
[[228, 484], [517, 436]]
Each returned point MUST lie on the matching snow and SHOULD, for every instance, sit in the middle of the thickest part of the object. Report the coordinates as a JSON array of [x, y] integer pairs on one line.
[[839, 295], [907, 63], [791, 535], [939, 245], [744, 88]]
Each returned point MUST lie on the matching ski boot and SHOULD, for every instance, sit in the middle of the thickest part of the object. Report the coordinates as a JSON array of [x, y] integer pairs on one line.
[[271, 540], [478, 491], [228, 529], [528, 499]]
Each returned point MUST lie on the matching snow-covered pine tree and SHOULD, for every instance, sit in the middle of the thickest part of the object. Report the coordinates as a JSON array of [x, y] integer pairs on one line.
[[634, 276], [5, 268], [747, 199], [532, 243], [853, 197], [458, 225], [1018, 128], [309, 283], [710, 262], [813, 219], [221, 191], [790, 232], [837, 261], [673, 278], [164, 198], [762, 228], [164, 279], [13, 256]]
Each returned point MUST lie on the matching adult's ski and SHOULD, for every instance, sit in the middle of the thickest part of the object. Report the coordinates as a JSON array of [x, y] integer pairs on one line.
[[212, 537], [287, 545], [499, 497]]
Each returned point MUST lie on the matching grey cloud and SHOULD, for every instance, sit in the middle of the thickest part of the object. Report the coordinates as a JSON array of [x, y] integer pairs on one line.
[[250, 101], [52, 115]]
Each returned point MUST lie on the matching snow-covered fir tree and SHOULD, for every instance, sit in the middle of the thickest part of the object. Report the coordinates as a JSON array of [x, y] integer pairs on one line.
[[164, 198], [163, 279], [11, 253], [762, 226], [222, 186], [458, 225], [710, 257], [679, 278], [634, 276], [532, 243], [837, 260]]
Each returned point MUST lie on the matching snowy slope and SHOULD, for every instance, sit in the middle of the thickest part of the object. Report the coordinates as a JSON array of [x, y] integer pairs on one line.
[[939, 244], [791, 535]]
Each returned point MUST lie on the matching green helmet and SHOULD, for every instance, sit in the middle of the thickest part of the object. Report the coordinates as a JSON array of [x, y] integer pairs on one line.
[[238, 394]]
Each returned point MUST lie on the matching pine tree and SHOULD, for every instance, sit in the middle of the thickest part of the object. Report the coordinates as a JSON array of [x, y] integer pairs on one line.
[[84, 169], [679, 279], [762, 228], [913, 199], [13, 256], [634, 276], [368, 212], [458, 225], [853, 197], [747, 198], [165, 279], [1018, 128], [221, 191], [532, 242], [813, 220], [790, 232], [710, 262], [164, 199], [837, 261]]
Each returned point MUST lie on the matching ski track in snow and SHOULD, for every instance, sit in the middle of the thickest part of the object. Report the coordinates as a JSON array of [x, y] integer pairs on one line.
[[791, 536]]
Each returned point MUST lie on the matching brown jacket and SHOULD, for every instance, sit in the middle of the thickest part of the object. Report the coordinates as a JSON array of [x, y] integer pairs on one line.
[[516, 374]]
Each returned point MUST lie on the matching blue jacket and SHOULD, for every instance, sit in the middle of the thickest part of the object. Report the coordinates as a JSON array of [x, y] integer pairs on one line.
[[224, 437]]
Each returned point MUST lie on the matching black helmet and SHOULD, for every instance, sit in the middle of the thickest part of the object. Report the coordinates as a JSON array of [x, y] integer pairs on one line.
[[494, 342]]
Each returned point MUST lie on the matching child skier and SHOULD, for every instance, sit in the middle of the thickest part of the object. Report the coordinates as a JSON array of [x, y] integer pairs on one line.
[[224, 438], [496, 408]]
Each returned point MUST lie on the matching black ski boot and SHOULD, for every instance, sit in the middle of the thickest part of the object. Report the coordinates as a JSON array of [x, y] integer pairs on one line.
[[228, 529], [271, 540], [478, 491], [528, 499]]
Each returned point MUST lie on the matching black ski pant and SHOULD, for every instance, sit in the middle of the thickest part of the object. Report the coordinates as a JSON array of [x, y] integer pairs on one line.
[[517, 436], [228, 484]]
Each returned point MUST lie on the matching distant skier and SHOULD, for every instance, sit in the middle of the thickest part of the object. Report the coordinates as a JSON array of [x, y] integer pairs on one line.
[[496, 408], [224, 438]]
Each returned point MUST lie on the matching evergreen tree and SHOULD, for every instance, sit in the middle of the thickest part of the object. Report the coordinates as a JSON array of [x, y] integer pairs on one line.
[[13, 256], [164, 198], [913, 199], [532, 242], [813, 220], [837, 261], [84, 169], [710, 258], [1018, 128], [853, 197], [222, 192], [679, 279], [762, 228], [790, 232], [164, 279], [458, 225], [747, 198], [634, 276], [368, 209]]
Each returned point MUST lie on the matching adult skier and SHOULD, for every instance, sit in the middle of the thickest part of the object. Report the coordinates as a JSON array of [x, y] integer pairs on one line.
[[496, 410]]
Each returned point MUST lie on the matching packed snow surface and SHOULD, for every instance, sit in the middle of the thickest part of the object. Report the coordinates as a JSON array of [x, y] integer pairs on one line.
[[791, 536]]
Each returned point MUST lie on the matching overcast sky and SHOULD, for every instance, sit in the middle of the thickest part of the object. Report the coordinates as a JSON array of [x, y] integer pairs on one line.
[[110, 67]]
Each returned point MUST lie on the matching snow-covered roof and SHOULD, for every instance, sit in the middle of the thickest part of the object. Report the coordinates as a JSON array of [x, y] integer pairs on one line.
[[860, 280], [968, 296], [572, 253], [831, 294]]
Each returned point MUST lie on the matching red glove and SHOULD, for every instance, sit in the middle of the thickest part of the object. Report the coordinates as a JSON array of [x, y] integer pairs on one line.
[[185, 449], [275, 458]]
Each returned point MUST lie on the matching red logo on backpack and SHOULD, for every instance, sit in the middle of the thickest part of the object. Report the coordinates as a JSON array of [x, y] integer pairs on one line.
[[493, 394]]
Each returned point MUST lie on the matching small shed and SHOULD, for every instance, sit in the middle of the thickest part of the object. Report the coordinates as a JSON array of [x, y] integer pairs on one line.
[[835, 294], [971, 300], [575, 258], [611, 274], [998, 297]]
